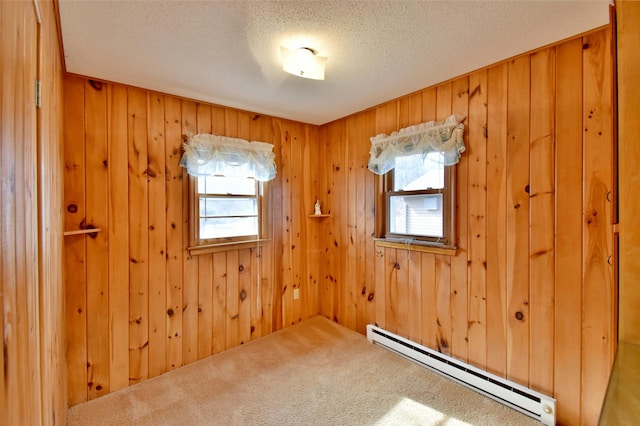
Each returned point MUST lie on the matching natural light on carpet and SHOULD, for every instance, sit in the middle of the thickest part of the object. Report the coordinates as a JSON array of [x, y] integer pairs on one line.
[[408, 411]]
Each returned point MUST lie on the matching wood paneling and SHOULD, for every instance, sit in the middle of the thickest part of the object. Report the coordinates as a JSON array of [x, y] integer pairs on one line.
[[53, 392], [628, 19], [568, 240], [522, 297], [599, 295], [138, 304], [529, 294], [32, 380]]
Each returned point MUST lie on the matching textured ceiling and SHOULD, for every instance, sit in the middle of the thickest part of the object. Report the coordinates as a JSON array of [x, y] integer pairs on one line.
[[228, 52]]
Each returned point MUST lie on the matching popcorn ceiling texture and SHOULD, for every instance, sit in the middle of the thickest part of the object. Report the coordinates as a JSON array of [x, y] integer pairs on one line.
[[228, 52]]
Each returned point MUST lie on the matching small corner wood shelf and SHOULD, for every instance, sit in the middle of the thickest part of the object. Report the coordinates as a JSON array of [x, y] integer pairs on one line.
[[82, 231], [318, 215]]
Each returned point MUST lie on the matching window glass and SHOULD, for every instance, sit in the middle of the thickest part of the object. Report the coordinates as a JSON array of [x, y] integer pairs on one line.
[[228, 208], [417, 172], [416, 215]]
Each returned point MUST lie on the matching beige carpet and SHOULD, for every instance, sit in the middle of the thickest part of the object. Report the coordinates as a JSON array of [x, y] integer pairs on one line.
[[314, 373]]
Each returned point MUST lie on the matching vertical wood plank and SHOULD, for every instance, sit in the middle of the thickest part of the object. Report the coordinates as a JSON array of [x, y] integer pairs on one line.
[[360, 164], [138, 237], [598, 325], [414, 267], [18, 337], [309, 228], [51, 254], [402, 292], [443, 300], [542, 223], [371, 195], [74, 202], [477, 232], [233, 297], [380, 285], [216, 331], [244, 295], [175, 230], [496, 221], [297, 234], [429, 300], [11, 405], [255, 292], [348, 266], [97, 262], [459, 281], [118, 171], [156, 179], [205, 305], [286, 287], [568, 241], [27, 240], [219, 302], [391, 267], [518, 221], [189, 263]]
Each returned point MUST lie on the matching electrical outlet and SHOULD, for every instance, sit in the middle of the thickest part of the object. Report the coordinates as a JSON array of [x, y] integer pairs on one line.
[[296, 293]]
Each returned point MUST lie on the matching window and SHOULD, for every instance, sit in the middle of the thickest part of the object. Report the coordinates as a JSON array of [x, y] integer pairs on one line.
[[227, 210], [419, 200], [227, 188]]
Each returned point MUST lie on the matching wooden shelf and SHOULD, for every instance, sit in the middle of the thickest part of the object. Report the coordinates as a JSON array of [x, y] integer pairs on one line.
[[318, 215], [82, 231]]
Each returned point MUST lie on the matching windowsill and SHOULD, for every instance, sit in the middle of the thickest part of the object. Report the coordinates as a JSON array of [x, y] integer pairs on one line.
[[423, 247], [235, 245]]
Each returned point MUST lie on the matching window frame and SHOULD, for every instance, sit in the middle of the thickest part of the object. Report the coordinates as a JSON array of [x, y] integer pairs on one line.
[[448, 240], [202, 246]]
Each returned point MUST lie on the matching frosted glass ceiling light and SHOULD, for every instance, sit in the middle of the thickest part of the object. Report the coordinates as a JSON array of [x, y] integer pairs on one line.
[[303, 62]]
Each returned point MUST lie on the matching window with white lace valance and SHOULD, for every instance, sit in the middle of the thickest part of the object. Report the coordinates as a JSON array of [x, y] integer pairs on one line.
[[445, 136], [208, 155]]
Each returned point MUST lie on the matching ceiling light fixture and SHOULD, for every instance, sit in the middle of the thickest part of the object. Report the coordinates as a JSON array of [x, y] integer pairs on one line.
[[303, 62]]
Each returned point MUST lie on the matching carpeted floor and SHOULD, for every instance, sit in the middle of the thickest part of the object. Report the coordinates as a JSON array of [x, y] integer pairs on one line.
[[314, 373]]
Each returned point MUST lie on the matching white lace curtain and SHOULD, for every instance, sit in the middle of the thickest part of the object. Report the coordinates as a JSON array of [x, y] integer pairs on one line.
[[206, 155], [445, 136]]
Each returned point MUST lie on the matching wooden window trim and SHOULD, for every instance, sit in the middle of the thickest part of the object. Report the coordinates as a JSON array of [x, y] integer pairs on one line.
[[418, 246], [197, 247], [423, 244]]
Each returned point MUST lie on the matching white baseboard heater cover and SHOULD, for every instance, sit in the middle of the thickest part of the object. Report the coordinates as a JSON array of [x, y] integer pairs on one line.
[[518, 397]]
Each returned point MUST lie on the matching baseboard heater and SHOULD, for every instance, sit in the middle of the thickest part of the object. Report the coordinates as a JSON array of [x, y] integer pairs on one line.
[[518, 397]]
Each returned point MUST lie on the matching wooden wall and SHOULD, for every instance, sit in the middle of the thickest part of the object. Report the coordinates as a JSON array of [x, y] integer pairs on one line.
[[530, 293], [32, 381], [137, 303], [629, 153]]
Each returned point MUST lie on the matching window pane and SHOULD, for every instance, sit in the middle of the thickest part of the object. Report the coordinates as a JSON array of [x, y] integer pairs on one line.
[[415, 173], [228, 206], [228, 227], [417, 215], [223, 185]]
